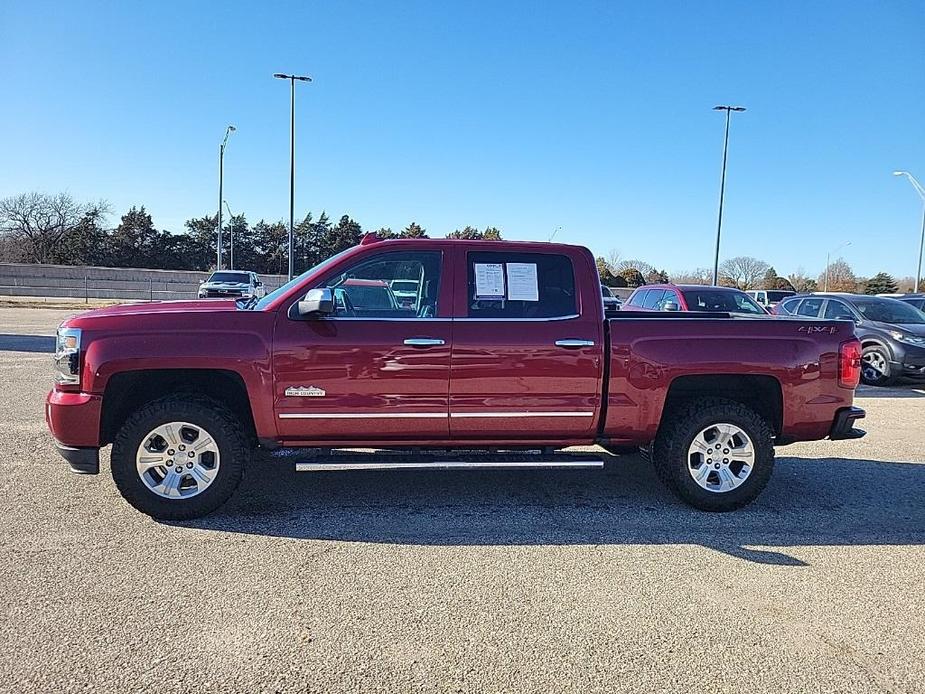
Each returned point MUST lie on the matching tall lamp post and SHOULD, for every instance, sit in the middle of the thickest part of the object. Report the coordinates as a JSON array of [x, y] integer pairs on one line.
[[722, 187], [221, 176], [828, 263], [921, 192], [231, 237], [292, 80]]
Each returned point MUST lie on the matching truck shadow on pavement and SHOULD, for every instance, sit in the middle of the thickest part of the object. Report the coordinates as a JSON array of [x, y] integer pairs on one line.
[[26, 343], [826, 501]]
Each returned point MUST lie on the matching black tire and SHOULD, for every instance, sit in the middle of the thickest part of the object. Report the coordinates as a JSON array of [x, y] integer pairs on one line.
[[882, 358], [677, 432], [216, 419]]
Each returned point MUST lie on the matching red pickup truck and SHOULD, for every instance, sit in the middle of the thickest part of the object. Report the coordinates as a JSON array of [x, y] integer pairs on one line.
[[502, 359]]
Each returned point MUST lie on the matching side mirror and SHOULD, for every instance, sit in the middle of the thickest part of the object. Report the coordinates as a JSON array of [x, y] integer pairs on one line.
[[670, 306], [317, 302], [202, 281]]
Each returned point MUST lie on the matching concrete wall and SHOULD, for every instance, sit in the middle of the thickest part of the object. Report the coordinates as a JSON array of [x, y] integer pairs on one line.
[[81, 282]]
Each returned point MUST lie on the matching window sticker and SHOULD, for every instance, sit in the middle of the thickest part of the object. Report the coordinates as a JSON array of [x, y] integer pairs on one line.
[[489, 281], [521, 282]]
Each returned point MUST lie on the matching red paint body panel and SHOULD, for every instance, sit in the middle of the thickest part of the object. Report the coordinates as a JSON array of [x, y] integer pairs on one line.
[[488, 384]]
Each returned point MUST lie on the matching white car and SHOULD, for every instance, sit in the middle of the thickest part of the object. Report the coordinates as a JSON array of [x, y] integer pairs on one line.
[[225, 284]]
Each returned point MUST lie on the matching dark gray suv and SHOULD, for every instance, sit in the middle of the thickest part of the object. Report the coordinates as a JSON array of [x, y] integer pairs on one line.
[[892, 333]]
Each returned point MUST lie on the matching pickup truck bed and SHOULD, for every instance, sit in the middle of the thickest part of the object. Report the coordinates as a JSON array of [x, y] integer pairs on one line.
[[504, 347]]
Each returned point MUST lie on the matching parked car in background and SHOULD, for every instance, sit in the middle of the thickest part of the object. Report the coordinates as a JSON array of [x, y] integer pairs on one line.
[[892, 332], [692, 297], [405, 291], [769, 298], [917, 300], [225, 284], [374, 296], [612, 302]]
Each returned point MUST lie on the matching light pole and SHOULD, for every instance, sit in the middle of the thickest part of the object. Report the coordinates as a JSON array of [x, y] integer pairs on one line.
[[221, 175], [722, 187], [921, 192], [828, 262], [292, 80], [231, 237]]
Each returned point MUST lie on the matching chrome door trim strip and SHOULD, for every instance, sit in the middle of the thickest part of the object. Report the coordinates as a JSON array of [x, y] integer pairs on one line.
[[518, 320], [358, 415], [471, 415], [427, 415], [450, 465]]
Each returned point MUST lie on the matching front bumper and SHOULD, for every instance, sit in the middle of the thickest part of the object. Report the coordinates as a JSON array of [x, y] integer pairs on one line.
[[74, 421], [83, 461], [843, 425]]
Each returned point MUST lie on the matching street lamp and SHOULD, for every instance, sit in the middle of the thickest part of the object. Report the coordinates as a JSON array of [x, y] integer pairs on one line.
[[221, 175], [231, 237], [828, 259], [921, 192], [722, 187], [292, 80]]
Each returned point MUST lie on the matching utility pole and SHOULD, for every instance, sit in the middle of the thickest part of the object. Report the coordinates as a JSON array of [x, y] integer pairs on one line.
[[722, 187], [921, 192]]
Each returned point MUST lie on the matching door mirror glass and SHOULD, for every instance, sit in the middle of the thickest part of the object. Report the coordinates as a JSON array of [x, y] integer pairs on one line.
[[317, 302], [671, 306]]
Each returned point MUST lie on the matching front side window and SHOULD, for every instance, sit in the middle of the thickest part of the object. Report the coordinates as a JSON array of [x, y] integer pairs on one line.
[[389, 285], [520, 285]]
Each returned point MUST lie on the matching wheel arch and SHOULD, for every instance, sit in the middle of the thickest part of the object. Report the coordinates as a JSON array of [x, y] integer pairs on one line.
[[128, 391], [761, 393]]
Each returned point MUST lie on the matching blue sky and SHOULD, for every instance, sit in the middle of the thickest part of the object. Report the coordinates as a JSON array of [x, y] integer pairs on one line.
[[595, 117]]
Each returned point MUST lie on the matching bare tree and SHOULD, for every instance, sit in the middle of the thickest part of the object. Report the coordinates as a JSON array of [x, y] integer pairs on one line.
[[642, 266], [743, 272], [613, 259], [700, 275], [841, 277], [38, 221]]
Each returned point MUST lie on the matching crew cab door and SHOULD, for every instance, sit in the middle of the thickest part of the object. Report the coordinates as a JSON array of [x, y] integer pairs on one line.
[[526, 361], [373, 370]]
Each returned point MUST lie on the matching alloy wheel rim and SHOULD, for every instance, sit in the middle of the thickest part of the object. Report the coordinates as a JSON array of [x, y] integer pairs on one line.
[[177, 460], [721, 457], [874, 366]]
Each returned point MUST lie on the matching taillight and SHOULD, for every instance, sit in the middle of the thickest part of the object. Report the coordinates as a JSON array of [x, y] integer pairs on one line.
[[849, 364]]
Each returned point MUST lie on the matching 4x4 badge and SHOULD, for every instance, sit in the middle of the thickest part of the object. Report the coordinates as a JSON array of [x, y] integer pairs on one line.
[[304, 392]]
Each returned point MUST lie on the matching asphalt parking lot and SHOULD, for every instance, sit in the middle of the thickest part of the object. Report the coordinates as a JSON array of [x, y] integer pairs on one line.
[[463, 582]]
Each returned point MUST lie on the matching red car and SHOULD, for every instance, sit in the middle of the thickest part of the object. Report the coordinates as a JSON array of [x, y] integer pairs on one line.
[[504, 358], [692, 297]]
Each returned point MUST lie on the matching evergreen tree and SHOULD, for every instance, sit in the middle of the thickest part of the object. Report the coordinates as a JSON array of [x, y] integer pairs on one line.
[[413, 231], [881, 283]]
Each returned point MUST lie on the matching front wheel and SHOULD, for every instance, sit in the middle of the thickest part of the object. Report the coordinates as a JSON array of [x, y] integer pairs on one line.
[[715, 454], [179, 457], [875, 366]]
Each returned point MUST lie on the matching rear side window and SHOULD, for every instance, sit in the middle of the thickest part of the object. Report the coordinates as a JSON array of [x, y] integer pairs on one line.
[[810, 308], [653, 296], [520, 285]]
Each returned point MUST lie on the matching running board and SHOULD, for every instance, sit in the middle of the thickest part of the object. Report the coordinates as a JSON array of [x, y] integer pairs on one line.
[[366, 463]]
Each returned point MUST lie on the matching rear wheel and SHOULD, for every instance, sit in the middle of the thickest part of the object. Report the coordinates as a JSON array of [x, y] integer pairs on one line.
[[179, 457], [715, 454], [875, 366]]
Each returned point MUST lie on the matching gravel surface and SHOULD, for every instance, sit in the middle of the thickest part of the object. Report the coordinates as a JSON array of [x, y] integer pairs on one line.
[[462, 582]]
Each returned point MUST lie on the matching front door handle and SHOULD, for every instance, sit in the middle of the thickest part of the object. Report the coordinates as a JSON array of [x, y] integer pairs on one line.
[[574, 344], [423, 342]]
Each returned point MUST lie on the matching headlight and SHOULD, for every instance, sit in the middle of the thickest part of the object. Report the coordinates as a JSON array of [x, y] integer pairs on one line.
[[67, 356], [907, 338]]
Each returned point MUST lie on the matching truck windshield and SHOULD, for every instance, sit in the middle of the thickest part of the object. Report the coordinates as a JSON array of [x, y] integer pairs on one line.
[[276, 293], [241, 277]]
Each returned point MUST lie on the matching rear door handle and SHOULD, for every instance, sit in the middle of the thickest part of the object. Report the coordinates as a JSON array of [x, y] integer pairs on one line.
[[423, 342], [574, 344]]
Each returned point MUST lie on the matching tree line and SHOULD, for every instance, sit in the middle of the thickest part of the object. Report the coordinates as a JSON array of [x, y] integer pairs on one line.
[[57, 229], [42, 228]]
